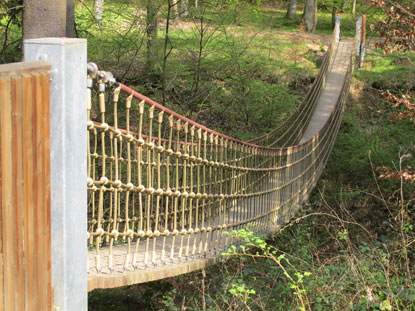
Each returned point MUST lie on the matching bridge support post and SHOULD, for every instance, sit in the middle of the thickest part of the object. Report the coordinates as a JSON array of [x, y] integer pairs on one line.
[[358, 38], [363, 40], [68, 144], [337, 28]]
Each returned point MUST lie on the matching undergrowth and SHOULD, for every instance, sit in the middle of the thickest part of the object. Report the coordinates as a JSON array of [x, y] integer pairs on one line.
[[237, 72]]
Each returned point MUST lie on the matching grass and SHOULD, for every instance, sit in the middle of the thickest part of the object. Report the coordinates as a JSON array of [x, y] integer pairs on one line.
[[247, 68], [367, 126], [252, 58], [381, 72]]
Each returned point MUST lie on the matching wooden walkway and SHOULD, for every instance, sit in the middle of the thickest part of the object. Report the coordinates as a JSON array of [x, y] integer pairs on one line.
[[127, 274], [331, 91]]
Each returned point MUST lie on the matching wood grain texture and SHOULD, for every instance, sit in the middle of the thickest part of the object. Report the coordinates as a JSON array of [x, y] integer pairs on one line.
[[7, 198], [38, 191], [17, 69], [29, 246], [17, 127], [25, 242], [2, 93], [45, 156], [2, 294]]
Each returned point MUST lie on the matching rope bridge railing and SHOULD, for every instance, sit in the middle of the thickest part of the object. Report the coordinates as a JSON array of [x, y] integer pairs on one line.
[[290, 131], [164, 190]]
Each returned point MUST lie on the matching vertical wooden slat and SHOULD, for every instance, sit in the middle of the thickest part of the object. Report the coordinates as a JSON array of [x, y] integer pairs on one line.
[[45, 181], [17, 128], [2, 93], [45, 130], [29, 246], [7, 209], [37, 141]]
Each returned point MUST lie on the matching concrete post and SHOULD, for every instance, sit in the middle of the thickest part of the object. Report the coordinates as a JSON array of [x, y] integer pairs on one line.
[[358, 35], [337, 28], [68, 166]]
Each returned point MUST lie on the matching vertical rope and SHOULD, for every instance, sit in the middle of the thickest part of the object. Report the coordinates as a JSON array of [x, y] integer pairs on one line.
[[129, 186], [159, 191], [140, 188], [150, 190], [104, 180], [117, 183]]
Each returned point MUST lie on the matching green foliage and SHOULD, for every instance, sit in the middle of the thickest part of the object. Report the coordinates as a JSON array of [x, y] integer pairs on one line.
[[367, 129], [230, 77], [10, 30], [116, 40], [256, 247], [240, 290]]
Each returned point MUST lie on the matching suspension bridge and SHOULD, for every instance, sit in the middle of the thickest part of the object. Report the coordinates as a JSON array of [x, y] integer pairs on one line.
[[163, 192]]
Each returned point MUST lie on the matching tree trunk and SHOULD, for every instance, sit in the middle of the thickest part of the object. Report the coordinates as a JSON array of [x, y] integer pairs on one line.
[[151, 30], [98, 9], [175, 8], [310, 15], [70, 18], [151, 19], [44, 18], [184, 8], [166, 52], [292, 10], [354, 8]]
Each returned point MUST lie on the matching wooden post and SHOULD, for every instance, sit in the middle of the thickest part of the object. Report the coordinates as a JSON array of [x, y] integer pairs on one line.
[[363, 40]]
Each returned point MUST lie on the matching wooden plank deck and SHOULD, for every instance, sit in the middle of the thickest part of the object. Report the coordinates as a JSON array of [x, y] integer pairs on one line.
[[330, 93]]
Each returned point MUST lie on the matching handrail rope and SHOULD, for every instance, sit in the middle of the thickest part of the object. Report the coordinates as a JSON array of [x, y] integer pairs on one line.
[[310, 94], [310, 98]]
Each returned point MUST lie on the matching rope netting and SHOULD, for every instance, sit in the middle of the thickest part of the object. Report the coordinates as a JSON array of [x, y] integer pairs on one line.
[[163, 189], [291, 131]]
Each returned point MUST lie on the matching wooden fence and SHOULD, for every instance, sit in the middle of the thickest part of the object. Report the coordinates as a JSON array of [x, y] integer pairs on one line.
[[25, 239]]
